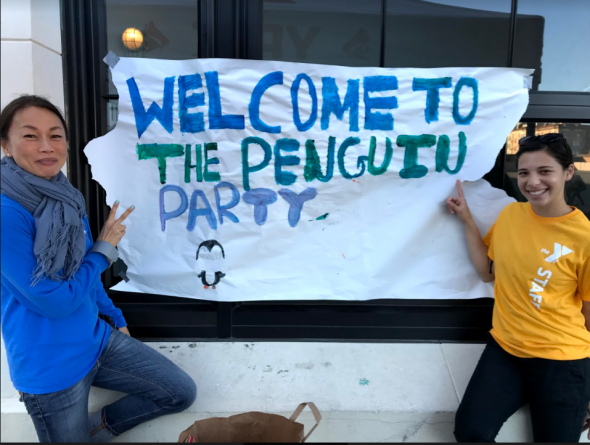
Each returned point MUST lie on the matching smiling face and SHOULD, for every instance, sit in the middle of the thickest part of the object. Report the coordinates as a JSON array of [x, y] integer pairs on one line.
[[541, 179], [37, 142]]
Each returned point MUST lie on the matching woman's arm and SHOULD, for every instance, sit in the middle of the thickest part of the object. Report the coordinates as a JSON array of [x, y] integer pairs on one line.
[[49, 298], [104, 303], [478, 251], [53, 299], [106, 307]]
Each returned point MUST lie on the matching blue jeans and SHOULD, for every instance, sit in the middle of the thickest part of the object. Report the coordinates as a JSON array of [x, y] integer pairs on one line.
[[155, 386]]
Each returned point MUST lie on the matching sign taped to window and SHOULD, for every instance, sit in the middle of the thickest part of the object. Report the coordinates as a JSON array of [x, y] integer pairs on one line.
[[263, 180]]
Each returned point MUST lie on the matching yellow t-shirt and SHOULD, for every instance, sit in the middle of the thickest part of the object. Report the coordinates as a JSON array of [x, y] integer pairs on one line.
[[542, 276]]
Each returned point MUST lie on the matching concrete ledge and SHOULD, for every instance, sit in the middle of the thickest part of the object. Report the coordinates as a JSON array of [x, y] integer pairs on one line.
[[366, 392], [341, 426], [275, 377], [335, 427]]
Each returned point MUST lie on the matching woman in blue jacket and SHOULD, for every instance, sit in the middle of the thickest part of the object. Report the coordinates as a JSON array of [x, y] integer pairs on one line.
[[56, 344]]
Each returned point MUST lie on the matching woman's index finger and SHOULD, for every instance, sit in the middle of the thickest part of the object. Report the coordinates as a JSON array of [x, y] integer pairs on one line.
[[460, 189]]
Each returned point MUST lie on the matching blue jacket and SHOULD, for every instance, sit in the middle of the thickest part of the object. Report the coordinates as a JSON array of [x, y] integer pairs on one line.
[[52, 331]]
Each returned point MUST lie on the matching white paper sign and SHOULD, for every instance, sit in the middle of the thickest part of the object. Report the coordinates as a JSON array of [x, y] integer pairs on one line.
[[260, 180]]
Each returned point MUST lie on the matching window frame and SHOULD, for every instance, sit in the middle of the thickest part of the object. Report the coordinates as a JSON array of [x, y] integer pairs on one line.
[[233, 29]]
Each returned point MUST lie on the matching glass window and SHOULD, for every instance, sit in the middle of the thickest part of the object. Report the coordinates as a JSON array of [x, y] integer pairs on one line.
[[554, 38], [438, 33], [169, 28], [333, 32], [155, 29], [112, 113], [578, 136]]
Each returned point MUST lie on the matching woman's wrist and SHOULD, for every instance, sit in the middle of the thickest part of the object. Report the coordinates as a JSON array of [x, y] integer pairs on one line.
[[106, 249], [469, 224]]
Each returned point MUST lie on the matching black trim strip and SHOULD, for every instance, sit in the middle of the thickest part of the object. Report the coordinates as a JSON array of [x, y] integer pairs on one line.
[[383, 31], [512, 35]]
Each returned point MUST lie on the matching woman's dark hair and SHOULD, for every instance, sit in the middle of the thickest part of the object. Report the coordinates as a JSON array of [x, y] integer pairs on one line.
[[554, 143], [22, 103]]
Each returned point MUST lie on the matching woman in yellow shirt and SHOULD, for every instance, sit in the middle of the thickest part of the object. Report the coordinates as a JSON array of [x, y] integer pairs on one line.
[[538, 253]]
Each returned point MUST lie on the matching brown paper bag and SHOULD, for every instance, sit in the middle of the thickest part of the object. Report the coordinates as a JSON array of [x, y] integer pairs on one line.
[[250, 427]]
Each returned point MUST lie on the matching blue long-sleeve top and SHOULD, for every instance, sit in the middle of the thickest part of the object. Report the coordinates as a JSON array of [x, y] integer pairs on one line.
[[52, 332]]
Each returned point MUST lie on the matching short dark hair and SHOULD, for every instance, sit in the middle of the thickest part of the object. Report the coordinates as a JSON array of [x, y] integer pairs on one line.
[[22, 103], [554, 143]]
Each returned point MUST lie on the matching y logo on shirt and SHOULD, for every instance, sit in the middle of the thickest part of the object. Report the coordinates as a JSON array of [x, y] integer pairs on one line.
[[538, 286], [558, 252]]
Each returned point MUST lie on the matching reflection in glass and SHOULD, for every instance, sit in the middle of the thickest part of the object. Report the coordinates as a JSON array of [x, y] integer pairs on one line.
[[438, 33], [578, 136], [168, 30], [554, 38], [112, 113], [344, 32]]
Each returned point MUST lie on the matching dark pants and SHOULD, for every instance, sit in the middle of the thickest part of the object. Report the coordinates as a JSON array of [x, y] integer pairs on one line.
[[557, 391]]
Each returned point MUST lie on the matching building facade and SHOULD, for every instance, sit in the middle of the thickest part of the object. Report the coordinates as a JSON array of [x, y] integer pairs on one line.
[[56, 49], [551, 37]]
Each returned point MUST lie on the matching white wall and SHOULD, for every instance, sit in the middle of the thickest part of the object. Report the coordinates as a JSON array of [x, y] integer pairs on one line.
[[31, 64], [31, 50]]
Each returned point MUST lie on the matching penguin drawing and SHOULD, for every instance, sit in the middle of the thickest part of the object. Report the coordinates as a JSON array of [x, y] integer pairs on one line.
[[210, 256]]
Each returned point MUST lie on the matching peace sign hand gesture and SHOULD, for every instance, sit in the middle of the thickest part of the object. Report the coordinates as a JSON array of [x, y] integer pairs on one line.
[[113, 229], [458, 205]]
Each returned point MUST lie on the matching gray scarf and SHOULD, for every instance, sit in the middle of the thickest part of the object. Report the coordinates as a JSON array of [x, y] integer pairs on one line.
[[58, 209]]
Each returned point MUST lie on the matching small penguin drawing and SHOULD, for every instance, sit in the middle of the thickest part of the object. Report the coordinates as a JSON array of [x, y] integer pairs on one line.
[[210, 256]]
